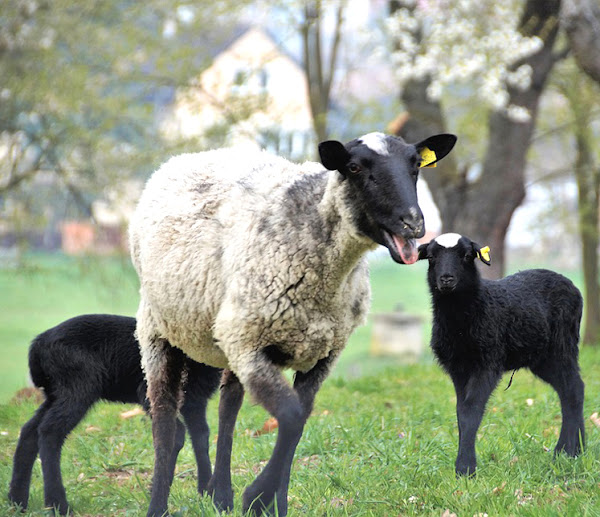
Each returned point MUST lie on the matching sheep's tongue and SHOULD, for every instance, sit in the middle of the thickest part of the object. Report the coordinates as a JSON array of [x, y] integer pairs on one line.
[[407, 249]]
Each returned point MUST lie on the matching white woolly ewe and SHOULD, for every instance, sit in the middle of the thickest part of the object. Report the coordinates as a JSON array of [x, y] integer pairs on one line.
[[251, 263]]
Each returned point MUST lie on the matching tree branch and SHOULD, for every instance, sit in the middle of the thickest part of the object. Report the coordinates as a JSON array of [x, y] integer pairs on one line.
[[581, 22]]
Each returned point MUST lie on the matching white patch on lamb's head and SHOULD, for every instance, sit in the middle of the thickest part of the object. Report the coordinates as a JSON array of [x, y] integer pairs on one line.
[[376, 142], [448, 240]]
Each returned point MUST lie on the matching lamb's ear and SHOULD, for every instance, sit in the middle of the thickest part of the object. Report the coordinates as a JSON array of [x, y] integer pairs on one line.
[[434, 148], [334, 155], [483, 253], [422, 249]]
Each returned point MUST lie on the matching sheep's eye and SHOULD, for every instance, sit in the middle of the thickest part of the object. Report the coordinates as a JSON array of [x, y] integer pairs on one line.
[[354, 168]]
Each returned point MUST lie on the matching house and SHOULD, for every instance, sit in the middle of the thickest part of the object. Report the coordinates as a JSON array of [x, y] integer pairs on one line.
[[253, 94]]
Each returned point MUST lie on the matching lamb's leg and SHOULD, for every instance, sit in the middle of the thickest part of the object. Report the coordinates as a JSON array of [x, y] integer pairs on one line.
[[25, 454], [219, 486], [60, 419], [565, 379], [202, 382], [472, 394], [164, 366], [268, 387]]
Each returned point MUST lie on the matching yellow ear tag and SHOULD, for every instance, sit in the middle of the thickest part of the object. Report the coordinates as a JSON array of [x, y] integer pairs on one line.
[[484, 253], [427, 157]]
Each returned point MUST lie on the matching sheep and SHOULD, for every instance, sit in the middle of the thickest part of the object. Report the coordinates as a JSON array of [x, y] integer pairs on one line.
[[483, 328], [77, 363], [251, 263]]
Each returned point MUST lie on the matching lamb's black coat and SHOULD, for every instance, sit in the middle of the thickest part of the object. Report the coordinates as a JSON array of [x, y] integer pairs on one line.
[[483, 328], [77, 363]]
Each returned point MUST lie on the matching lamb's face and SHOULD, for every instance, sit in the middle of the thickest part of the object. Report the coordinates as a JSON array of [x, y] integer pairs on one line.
[[451, 263], [382, 173]]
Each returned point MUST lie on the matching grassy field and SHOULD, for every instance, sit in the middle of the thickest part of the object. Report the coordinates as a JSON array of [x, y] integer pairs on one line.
[[377, 446], [381, 442]]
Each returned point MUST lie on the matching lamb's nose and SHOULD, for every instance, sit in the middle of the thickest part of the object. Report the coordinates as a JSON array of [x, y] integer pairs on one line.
[[446, 281]]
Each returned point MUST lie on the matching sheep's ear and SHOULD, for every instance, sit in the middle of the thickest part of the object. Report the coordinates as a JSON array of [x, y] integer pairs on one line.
[[434, 148], [422, 249], [334, 155], [483, 253]]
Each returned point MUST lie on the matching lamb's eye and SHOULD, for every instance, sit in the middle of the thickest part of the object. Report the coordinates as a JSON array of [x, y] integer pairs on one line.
[[354, 168]]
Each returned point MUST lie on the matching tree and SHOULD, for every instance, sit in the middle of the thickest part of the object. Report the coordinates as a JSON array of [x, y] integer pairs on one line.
[[320, 62], [482, 205], [83, 85], [581, 22], [587, 175]]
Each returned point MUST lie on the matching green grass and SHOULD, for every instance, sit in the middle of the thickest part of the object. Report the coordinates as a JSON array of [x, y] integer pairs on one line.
[[375, 446], [382, 440]]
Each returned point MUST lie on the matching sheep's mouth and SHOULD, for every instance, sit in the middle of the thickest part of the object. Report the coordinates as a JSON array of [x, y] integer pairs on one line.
[[403, 250]]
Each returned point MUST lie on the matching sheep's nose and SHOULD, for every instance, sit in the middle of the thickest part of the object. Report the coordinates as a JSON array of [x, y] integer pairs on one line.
[[446, 282], [413, 220]]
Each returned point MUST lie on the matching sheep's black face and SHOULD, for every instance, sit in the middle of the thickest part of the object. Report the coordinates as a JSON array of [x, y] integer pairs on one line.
[[451, 263], [382, 173]]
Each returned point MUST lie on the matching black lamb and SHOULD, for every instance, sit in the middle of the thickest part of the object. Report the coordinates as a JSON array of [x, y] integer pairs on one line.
[[483, 328], [77, 363]]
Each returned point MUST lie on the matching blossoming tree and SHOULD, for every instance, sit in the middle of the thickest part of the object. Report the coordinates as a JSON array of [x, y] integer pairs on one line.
[[500, 54]]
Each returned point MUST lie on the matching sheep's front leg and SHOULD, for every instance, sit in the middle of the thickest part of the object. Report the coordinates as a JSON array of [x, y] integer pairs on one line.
[[164, 366], [219, 486], [269, 388], [472, 394], [306, 385]]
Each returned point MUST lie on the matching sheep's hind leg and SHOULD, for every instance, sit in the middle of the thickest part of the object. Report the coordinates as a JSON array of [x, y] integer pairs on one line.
[[163, 373], [472, 394], [268, 387], [25, 454], [219, 486], [202, 382], [60, 419], [565, 379]]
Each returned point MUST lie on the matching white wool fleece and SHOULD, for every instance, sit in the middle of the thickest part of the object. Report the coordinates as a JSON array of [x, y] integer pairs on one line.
[[238, 251]]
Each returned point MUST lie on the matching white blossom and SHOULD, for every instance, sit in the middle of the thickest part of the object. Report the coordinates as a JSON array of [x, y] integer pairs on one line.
[[473, 42], [518, 113]]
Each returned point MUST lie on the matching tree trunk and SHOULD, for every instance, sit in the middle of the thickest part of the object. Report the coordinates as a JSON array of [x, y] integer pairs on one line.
[[581, 21], [482, 208], [588, 186], [587, 176], [319, 73]]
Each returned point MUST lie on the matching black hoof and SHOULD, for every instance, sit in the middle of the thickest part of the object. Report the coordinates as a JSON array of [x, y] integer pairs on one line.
[[255, 503], [466, 471], [18, 500]]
